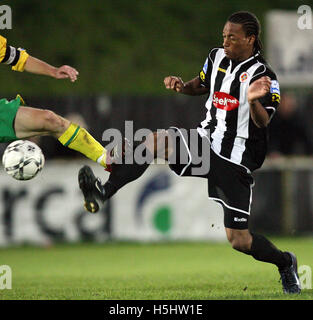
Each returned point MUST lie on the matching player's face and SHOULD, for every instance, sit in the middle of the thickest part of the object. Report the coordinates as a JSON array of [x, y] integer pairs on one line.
[[237, 45]]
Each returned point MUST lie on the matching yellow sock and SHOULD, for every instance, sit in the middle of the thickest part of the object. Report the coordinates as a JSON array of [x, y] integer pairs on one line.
[[79, 139]]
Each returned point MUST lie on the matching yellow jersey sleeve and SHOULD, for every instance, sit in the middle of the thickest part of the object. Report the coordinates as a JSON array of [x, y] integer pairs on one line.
[[3, 46], [12, 56]]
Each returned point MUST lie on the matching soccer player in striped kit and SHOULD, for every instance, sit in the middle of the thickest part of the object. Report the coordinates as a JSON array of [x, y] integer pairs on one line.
[[243, 94]]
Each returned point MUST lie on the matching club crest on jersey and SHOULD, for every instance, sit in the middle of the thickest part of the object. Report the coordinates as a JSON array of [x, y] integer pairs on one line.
[[243, 77], [224, 101]]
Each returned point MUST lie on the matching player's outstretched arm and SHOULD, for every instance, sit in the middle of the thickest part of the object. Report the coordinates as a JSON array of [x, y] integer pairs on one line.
[[192, 87], [37, 66]]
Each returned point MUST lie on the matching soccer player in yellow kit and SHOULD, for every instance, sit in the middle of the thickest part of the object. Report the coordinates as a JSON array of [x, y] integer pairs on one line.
[[22, 122]]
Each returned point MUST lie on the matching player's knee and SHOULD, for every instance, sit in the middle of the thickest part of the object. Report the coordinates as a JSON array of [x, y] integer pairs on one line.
[[239, 242], [51, 122], [240, 245]]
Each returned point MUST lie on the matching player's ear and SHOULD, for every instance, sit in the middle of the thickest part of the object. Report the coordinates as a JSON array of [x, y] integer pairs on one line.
[[251, 39]]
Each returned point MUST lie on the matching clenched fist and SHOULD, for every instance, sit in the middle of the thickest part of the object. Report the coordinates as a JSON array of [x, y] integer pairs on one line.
[[259, 88], [174, 83]]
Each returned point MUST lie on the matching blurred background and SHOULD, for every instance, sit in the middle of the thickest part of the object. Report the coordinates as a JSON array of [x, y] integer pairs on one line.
[[123, 50]]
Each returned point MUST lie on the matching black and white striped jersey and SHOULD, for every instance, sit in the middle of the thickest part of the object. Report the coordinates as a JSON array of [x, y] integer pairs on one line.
[[233, 134]]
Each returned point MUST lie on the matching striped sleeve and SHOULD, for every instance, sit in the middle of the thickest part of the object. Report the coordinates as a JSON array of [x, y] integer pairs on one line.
[[16, 58], [205, 72]]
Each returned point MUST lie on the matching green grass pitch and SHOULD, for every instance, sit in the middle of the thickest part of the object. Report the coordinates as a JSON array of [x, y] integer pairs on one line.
[[159, 271]]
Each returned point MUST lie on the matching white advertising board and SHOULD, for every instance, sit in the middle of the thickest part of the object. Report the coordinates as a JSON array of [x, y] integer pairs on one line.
[[159, 206]]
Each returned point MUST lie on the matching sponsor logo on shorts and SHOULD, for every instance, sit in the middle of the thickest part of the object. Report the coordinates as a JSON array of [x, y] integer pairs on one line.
[[225, 101], [240, 219]]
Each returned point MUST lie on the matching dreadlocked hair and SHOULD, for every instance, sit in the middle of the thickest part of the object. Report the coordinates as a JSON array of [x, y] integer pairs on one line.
[[250, 25]]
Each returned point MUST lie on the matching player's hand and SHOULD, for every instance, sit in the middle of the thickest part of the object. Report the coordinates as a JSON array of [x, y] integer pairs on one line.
[[66, 72], [174, 83], [259, 88]]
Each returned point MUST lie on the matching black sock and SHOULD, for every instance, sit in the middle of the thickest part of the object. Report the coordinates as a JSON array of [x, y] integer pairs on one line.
[[123, 174], [263, 250]]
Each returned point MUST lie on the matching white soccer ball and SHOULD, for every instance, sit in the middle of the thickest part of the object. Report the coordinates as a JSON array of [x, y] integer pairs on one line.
[[23, 160]]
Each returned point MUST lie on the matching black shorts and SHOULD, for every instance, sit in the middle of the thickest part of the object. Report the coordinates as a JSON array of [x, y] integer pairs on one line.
[[228, 183]]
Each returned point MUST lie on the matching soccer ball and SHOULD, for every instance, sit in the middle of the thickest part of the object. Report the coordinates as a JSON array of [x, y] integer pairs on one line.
[[23, 159]]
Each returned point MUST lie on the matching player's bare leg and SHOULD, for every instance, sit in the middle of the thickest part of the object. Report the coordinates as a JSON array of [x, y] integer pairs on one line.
[[30, 122], [262, 249], [160, 144], [240, 240], [157, 144]]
